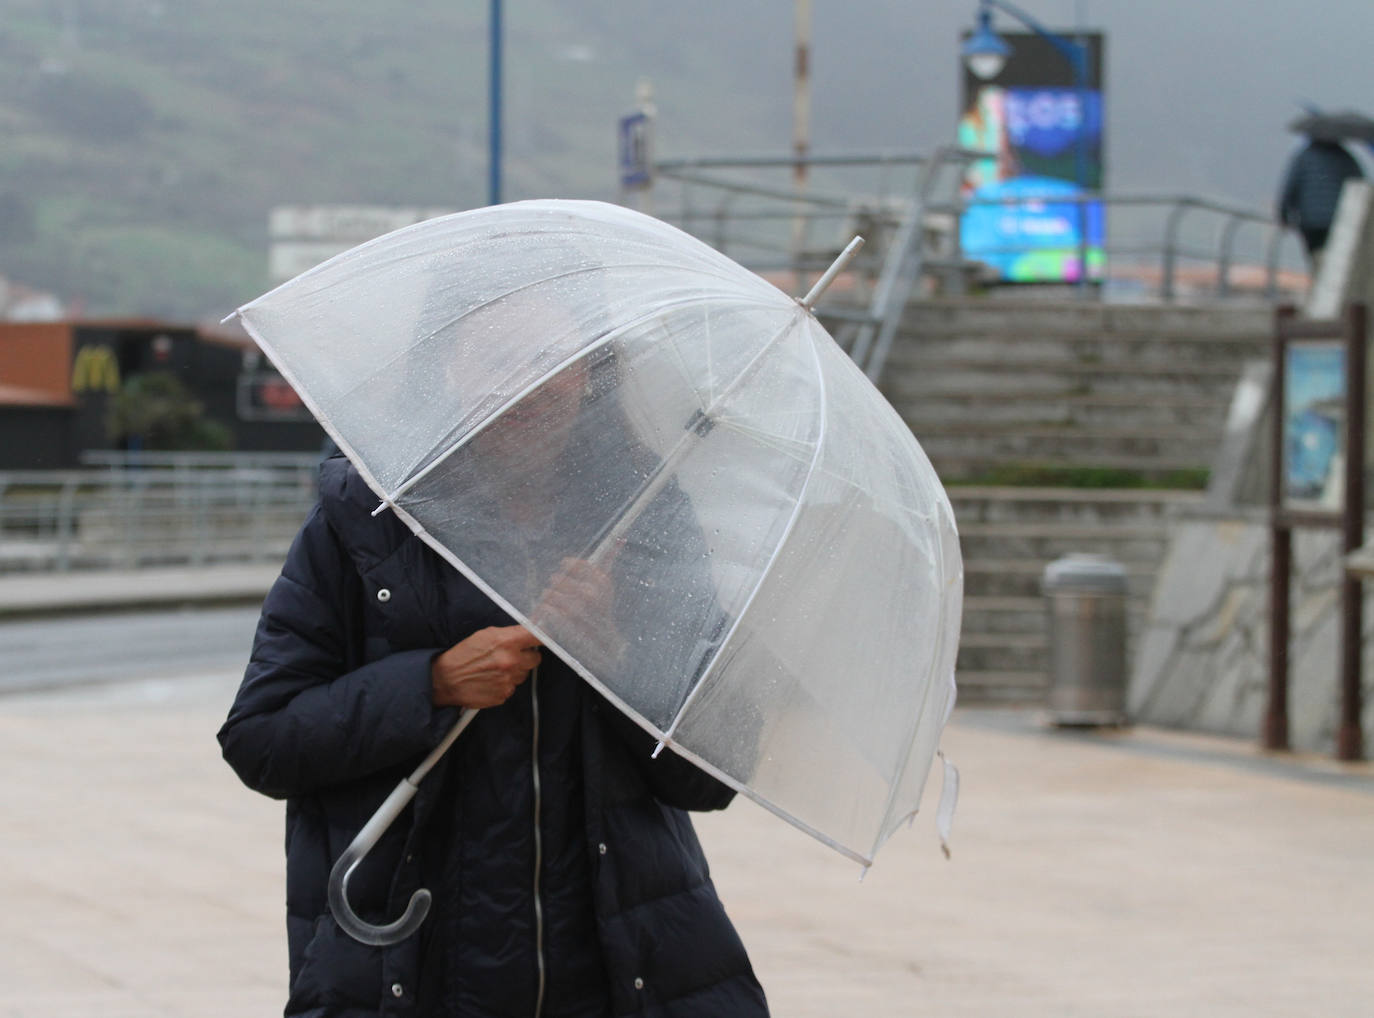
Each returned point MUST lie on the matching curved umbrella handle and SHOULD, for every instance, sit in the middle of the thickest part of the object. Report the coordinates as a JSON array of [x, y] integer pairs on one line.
[[348, 920], [418, 907]]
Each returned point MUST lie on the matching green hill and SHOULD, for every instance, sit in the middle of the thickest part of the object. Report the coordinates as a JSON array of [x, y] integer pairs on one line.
[[145, 141]]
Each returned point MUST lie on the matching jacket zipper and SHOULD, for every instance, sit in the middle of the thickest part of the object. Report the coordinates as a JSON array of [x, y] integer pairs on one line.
[[538, 846]]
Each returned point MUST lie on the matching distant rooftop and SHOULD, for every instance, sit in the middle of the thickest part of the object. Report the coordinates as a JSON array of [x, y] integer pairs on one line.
[[19, 303]]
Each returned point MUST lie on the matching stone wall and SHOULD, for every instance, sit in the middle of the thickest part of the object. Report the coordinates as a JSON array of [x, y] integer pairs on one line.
[[1203, 660]]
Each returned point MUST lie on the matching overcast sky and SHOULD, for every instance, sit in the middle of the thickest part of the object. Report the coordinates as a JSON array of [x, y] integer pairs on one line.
[[1198, 92]]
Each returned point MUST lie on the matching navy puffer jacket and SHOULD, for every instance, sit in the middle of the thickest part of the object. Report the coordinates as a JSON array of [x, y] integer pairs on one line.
[[335, 709], [1311, 189]]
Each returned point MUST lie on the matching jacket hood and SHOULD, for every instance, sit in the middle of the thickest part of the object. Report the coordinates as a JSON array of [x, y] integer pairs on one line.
[[348, 504]]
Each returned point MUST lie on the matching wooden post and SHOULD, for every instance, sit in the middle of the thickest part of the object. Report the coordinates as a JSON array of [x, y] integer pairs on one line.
[[1275, 734], [1284, 517], [1349, 737]]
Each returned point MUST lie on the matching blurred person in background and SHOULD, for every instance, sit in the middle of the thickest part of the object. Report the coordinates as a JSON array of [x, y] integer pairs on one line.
[[1311, 190]]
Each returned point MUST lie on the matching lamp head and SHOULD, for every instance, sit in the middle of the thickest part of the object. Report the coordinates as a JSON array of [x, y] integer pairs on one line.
[[985, 52]]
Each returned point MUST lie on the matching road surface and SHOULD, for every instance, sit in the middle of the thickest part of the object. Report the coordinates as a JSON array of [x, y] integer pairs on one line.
[[51, 653]]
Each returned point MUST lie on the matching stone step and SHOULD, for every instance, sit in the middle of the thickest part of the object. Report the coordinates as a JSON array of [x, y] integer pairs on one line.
[[1020, 688], [1000, 615], [1050, 377], [1118, 349], [990, 577], [1011, 316], [1205, 412], [1014, 383], [1166, 444], [1045, 542], [974, 469], [1003, 652], [994, 504], [989, 616]]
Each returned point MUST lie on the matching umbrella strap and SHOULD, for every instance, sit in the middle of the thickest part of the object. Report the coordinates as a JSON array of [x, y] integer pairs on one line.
[[949, 801], [949, 789]]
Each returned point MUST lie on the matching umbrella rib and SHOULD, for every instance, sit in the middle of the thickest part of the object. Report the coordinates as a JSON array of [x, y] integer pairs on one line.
[[660, 475], [790, 450], [768, 568], [917, 716], [439, 329], [312, 404], [794, 449], [560, 366]]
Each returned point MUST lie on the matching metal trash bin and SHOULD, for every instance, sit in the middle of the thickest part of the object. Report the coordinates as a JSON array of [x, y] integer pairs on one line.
[[1086, 599]]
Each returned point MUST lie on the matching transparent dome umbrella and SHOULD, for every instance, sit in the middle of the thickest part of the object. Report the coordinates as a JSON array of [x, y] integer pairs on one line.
[[565, 395]]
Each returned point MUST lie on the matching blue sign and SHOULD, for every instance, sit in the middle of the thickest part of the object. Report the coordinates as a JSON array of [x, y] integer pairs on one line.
[[1019, 228], [1038, 126], [1314, 423], [635, 170], [1051, 121]]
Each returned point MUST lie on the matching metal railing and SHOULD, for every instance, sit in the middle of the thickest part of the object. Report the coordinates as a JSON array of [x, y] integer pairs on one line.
[[1160, 246], [755, 220], [1151, 255], [154, 509], [775, 228]]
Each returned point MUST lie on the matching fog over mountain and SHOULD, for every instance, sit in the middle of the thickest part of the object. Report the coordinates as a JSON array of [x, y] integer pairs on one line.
[[1198, 92], [146, 140]]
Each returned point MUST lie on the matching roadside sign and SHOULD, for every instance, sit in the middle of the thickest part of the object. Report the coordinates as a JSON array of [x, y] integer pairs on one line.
[[303, 236], [635, 168], [344, 222], [267, 396], [288, 259]]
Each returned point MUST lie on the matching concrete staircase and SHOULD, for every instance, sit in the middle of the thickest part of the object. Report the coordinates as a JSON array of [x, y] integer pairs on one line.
[[1008, 536], [994, 388]]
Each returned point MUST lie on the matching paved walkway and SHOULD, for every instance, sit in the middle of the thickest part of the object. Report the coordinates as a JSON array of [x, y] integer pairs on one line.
[[1121, 875], [28, 594]]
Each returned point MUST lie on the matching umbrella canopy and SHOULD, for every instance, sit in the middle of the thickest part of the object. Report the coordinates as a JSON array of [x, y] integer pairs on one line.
[[1342, 126], [666, 469]]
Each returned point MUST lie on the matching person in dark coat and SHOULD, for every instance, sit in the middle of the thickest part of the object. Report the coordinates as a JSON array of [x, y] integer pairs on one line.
[[1311, 190], [567, 879]]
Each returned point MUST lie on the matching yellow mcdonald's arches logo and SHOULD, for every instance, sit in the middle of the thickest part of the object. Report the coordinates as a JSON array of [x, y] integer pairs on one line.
[[95, 368]]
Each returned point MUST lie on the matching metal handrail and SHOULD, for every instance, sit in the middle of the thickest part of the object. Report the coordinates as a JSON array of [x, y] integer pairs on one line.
[[670, 166], [117, 517], [1170, 249], [739, 229], [140, 460], [901, 270]]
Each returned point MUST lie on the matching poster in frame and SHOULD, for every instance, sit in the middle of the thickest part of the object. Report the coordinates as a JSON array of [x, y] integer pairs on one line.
[[1315, 409]]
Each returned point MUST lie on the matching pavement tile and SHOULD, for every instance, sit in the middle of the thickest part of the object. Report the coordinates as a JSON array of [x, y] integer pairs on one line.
[[1113, 875]]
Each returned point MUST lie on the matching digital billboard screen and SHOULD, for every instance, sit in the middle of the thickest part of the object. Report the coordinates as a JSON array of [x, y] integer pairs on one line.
[[1042, 138]]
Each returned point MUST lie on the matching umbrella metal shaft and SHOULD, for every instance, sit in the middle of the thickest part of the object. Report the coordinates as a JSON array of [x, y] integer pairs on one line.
[[828, 277]]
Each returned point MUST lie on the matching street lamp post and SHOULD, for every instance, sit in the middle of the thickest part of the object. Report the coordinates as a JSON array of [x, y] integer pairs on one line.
[[985, 54], [494, 111]]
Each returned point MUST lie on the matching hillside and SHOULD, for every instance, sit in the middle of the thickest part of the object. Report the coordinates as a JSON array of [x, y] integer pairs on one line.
[[145, 142], [142, 142]]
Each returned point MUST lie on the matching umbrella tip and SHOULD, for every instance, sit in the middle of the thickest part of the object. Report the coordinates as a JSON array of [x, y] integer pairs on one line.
[[836, 267]]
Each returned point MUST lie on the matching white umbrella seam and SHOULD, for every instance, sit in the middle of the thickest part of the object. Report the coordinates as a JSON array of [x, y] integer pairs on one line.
[[562, 365], [314, 408], [418, 529], [917, 717], [421, 341], [823, 406]]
